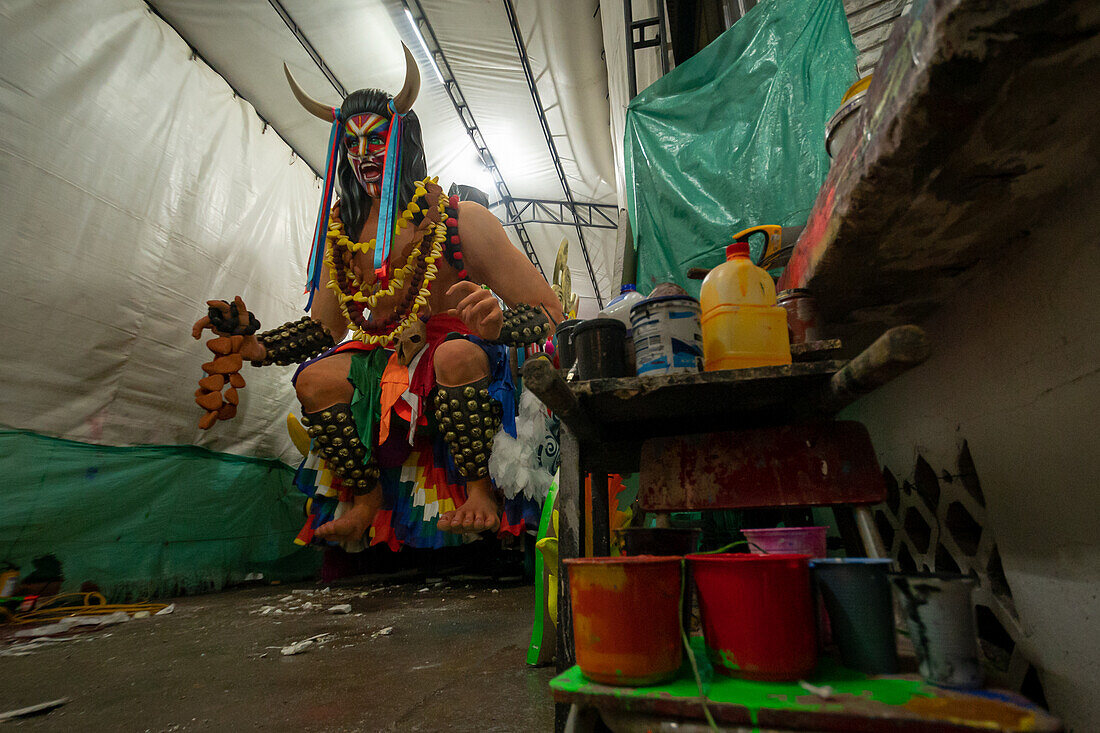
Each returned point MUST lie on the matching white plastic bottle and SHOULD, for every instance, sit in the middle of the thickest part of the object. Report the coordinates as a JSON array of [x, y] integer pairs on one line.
[[619, 307]]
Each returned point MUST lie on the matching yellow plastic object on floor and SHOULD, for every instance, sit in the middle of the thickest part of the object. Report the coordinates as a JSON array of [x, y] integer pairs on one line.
[[742, 325], [90, 603]]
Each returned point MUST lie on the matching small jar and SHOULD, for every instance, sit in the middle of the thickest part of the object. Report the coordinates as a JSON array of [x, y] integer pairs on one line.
[[803, 321]]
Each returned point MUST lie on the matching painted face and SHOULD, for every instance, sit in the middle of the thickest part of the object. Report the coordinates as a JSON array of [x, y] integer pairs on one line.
[[365, 141]]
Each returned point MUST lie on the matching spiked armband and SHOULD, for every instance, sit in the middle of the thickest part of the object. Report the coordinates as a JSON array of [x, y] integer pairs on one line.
[[523, 324], [336, 438], [469, 418], [294, 342]]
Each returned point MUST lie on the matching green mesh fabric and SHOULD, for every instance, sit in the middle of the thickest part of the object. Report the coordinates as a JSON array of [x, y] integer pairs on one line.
[[148, 521], [735, 136]]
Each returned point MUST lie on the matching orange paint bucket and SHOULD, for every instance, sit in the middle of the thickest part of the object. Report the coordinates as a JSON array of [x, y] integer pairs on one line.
[[626, 618]]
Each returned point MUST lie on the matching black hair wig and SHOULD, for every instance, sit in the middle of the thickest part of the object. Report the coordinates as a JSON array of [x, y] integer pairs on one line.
[[355, 205]]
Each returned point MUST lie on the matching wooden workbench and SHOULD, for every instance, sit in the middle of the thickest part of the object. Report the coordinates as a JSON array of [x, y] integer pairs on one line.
[[837, 699], [606, 422]]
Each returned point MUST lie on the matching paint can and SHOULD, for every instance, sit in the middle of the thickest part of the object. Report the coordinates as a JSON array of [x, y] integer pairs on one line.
[[626, 618], [861, 611], [667, 335], [803, 322], [600, 345], [757, 612], [847, 122], [941, 624], [666, 541], [563, 335]]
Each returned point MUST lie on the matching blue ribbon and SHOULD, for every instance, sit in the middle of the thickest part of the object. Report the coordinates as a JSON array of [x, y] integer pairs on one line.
[[390, 185], [320, 229]]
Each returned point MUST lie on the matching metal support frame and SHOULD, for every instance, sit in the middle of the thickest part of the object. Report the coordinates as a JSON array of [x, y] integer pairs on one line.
[[542, 211], [540, 110], [313, 52], [466, 116], [639, 40]]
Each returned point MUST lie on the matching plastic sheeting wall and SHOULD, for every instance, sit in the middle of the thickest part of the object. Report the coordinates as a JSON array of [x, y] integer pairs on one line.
[[734, 137], [135, 185]]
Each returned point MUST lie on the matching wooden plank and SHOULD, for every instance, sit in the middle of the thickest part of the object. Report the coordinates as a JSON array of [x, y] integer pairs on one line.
[[540, 376], [570, 524], [806, 464], [816, 350], [639, 407], [960, 157], [894, 704], [863, 14], [891, 355], [601, 522]]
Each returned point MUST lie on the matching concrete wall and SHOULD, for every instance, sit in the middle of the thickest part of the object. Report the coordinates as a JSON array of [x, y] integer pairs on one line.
[[1016, 373]]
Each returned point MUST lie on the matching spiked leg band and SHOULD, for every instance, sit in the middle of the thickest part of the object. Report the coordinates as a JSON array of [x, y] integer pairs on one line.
[[294, 342], [524, 324], [469, 418], [336, 438]]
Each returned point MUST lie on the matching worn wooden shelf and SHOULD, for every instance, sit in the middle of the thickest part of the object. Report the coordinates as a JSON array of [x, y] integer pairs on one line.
[[895, 703], [642, 407], [979, 119]]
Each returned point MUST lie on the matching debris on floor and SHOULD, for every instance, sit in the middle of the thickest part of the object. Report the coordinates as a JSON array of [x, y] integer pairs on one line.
[[39, 709], [300, 646], [71, 623]]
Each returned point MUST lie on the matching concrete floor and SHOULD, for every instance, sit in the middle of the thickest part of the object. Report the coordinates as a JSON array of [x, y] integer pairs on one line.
[[454, 661]]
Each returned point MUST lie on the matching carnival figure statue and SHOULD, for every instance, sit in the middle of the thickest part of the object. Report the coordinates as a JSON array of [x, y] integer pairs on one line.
[[413, 400]]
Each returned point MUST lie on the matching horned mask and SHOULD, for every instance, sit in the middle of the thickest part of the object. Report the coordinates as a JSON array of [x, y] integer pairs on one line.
[[387, 195]]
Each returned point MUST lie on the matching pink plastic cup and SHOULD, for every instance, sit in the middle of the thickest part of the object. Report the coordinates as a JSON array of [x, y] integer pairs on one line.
[[801, 541], [798, 540]]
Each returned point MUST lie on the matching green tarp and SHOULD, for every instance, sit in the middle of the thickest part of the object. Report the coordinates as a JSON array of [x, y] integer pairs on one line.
[[735, 136], [148, 521]]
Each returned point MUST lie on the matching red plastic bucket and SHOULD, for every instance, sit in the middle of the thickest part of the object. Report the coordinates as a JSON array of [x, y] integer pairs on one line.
[[758, 617], [626, 618]]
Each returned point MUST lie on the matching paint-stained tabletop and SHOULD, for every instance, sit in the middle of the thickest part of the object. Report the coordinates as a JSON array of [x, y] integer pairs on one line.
[[834, 699]]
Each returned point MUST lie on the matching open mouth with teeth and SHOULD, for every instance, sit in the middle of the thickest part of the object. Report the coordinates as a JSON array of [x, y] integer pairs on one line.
[[368, 171]]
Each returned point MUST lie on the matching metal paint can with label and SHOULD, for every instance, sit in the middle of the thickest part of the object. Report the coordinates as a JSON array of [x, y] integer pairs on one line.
[[667, 335], [803, 322]]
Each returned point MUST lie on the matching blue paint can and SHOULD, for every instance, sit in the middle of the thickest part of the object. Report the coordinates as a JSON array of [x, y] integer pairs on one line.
[[667, 335]]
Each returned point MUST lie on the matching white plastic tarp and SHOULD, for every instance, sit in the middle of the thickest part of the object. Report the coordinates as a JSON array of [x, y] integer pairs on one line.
[[134, 186], [246, 41]]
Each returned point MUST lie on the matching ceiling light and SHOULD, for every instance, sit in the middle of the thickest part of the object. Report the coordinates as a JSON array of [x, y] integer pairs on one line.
[[424, 45]]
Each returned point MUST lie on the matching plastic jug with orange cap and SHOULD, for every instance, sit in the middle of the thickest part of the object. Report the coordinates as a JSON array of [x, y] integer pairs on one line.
[[741, 323]]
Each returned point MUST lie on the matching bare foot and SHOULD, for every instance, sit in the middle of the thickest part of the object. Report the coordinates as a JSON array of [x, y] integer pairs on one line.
[[479, 513], [352, 524]]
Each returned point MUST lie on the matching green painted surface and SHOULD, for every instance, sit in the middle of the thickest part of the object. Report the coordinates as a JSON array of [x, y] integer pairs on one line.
[[148, 521], [756, 695]]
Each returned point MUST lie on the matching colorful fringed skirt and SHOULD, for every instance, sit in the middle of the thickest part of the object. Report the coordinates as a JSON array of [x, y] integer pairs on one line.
[[393, 411]]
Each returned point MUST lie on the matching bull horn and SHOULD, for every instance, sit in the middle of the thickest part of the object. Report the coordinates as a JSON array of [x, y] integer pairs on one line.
[[312, 106], [403, 102]]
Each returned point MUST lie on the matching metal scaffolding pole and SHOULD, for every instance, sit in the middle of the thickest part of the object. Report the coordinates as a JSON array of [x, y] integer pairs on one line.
[[542, 211], [572, 204], [435, 53], [309, 48]]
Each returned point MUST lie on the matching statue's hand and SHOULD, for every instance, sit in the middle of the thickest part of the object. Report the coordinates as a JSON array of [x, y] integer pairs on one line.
[[478, 309], [226, 319]]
